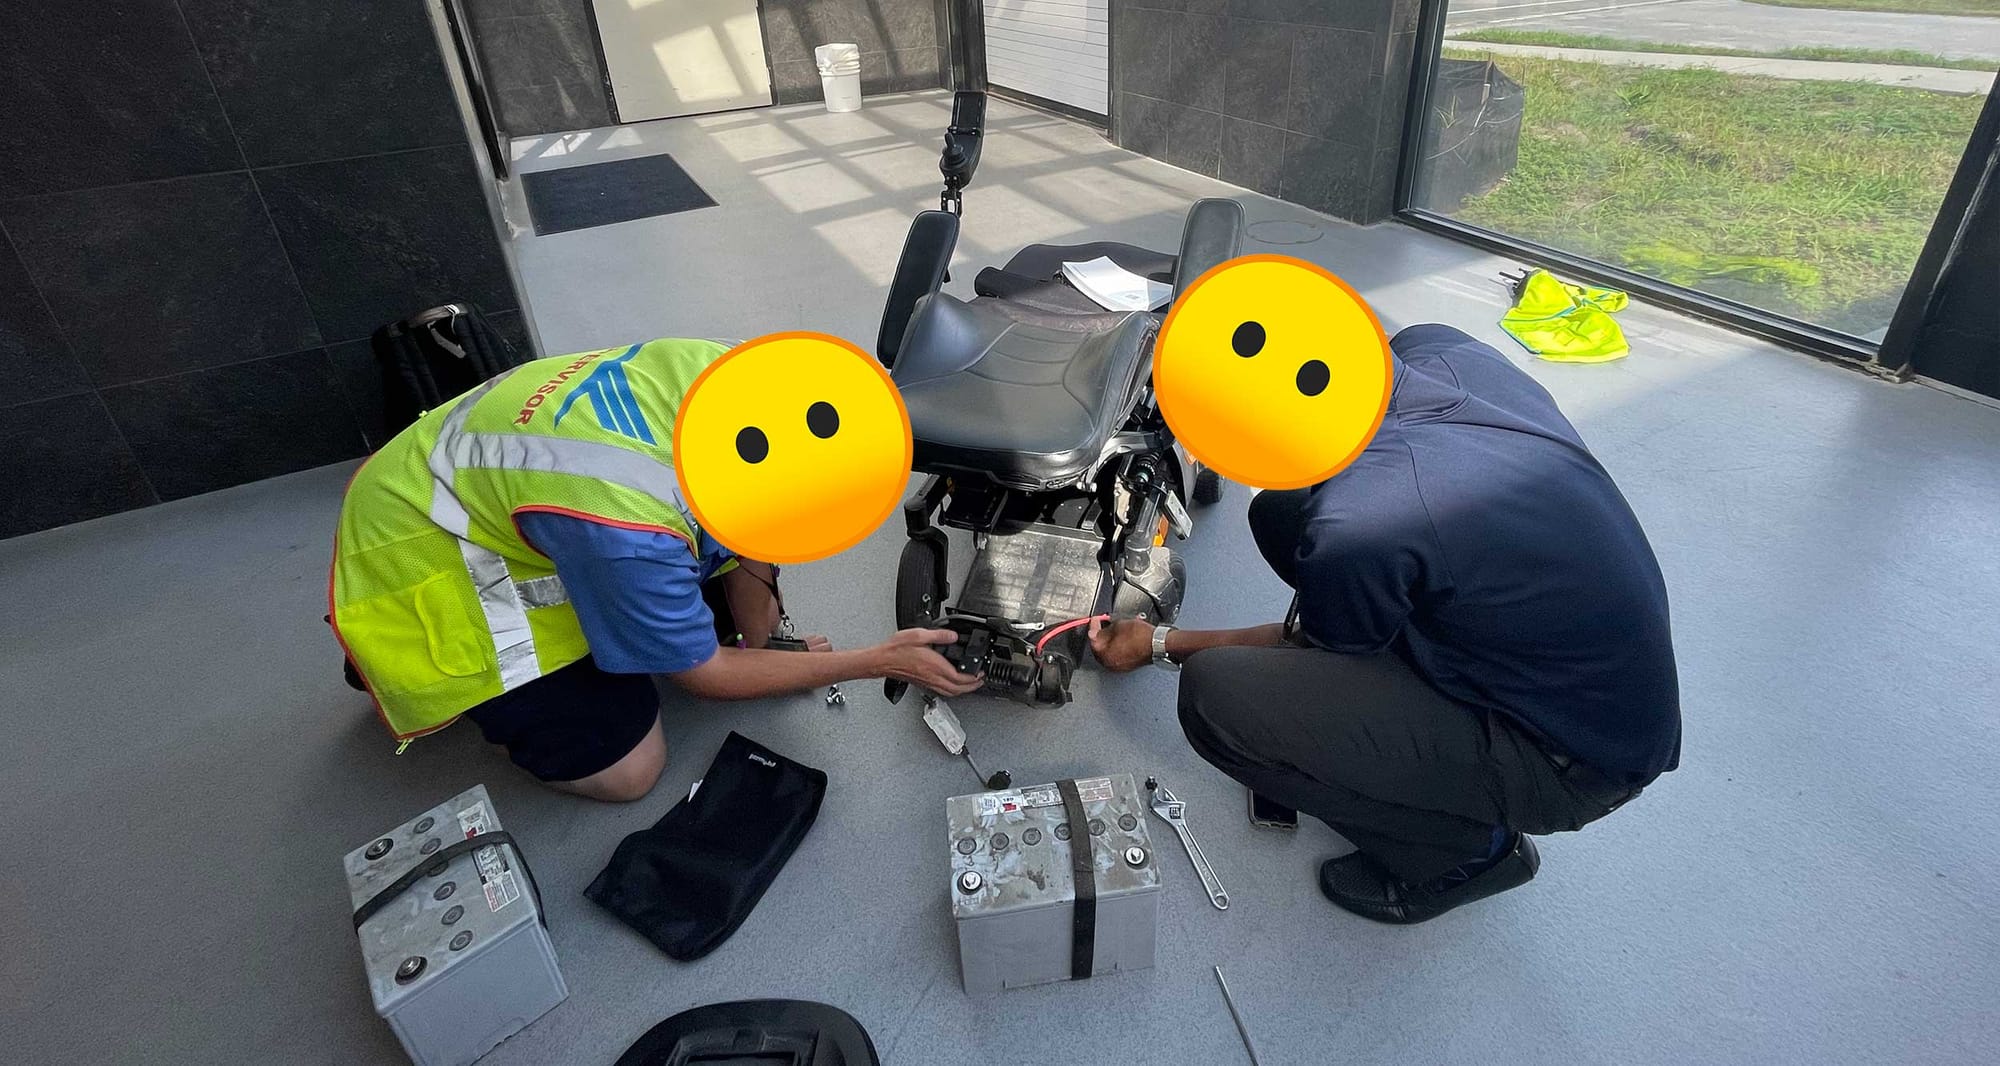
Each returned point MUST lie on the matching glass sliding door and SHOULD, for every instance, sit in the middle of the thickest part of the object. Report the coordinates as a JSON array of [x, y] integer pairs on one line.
[[1788, 156]]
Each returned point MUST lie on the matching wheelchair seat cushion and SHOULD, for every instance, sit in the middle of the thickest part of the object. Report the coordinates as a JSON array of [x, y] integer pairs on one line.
[[1027, 396]]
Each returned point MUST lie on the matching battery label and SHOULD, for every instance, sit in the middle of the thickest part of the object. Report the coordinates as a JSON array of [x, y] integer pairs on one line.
[[473, 819], [1096, 790], [1041, 796], [501, 886]]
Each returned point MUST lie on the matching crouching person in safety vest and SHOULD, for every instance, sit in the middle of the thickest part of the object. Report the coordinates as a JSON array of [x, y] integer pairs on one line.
[[523, 556]]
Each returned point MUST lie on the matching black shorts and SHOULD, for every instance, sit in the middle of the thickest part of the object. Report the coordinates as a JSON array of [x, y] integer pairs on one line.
[[572, 723], [580, 720]]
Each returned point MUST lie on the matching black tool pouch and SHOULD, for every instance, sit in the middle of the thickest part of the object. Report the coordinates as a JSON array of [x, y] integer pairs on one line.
[[688, 882]]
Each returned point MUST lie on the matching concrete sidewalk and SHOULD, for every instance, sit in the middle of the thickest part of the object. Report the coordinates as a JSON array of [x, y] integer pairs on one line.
[[1737, 24], [1934, 79]]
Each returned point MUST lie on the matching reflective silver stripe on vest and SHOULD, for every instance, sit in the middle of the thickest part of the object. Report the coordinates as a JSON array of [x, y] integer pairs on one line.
[[506, 618], [608, 463], [504, 601], [542, 592]]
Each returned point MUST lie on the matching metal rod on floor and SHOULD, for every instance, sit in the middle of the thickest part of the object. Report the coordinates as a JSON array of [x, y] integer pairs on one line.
[[1240, 1030]]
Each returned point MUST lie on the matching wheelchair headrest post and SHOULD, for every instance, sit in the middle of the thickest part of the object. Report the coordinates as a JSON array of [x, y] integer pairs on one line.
[[1213, 236], [966, 22]]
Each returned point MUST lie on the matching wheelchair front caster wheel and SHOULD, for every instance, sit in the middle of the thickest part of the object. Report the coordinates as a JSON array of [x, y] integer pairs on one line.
[[1207, 487]]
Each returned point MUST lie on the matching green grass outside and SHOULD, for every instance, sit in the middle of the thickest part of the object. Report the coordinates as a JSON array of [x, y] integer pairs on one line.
[[1557, 39], [1811, 198], [1988, 8]]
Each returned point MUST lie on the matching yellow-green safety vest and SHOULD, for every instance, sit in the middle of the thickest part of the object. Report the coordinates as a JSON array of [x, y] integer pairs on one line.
[[1567, 323], [435, 595]]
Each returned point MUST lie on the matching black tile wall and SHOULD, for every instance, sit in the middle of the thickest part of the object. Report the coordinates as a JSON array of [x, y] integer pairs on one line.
[[1327, 175], [564, 106], [1195, 67], [795, 81], [206, 207], [35, 360], [258, 419], [65, 461], [1258, 71], [104, 93], [540, 49], [1142, 41], [1335, 91], [513, 329], [900, 71], [360, 379], [1395, 99], [298, 75], [383, 237], [1259, 92], [543, 63], [163, 276], [1351, 14], [1194, 139], [900, 41], [1143, 123], [1253, 156]]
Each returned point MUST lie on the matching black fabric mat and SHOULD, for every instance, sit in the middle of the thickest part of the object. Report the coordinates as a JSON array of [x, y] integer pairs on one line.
[[603, 193]]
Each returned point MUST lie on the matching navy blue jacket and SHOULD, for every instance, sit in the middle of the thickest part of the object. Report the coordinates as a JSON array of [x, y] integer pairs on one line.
[[1477, 537]]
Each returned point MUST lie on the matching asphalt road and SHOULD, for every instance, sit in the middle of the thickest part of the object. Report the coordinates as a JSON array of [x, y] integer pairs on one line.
[[1735, 24]]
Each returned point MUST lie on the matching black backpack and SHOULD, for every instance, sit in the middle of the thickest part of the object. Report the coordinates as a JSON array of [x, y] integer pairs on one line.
[[431, 357]]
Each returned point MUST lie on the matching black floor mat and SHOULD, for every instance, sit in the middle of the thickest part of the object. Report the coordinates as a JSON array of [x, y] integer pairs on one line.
[[603, 193]]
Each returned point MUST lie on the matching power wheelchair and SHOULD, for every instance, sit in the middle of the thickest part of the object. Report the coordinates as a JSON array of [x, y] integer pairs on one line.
[[1036, 430]]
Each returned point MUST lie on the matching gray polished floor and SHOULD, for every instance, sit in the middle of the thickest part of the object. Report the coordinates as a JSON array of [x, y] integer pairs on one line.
[[184, 768]]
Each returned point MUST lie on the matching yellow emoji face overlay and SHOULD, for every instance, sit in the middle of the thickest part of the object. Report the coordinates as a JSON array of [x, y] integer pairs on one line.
[[1272, 371], [792, 447]]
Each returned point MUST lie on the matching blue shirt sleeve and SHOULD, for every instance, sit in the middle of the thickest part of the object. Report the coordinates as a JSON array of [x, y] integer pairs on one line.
[[637, 593]]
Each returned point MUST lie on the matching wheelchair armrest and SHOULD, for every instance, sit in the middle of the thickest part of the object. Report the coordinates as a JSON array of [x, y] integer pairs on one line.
[[1212, 237], [919, 273]]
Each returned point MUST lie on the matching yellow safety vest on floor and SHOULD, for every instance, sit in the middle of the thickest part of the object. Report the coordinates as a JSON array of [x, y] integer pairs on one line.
[[437, 598], [1566, 323]]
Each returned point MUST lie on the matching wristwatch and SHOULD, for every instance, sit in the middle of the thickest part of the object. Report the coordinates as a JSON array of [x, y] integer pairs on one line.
[[1160, 657]]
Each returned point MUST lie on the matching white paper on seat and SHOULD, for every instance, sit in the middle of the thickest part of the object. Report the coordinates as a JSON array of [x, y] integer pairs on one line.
[[1114, 288]]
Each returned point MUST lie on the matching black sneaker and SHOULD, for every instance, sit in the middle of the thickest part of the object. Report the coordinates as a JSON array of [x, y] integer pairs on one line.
[[1359, 884]]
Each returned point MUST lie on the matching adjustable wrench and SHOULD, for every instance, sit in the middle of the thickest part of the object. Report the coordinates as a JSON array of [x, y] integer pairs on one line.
[[1174, 812]]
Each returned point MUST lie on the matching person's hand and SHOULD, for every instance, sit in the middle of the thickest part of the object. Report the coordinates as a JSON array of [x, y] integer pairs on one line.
[[816, 642], [1122, 646], [909, 656]]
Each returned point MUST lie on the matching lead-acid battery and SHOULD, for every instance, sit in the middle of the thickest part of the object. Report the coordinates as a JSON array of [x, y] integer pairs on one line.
[[1014, 884], [452, 938]]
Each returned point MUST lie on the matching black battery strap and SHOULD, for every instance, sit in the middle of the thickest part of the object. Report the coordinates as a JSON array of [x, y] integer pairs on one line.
[[1083, 871], [435, 863]]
